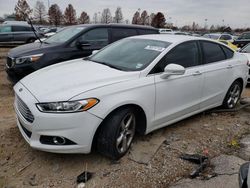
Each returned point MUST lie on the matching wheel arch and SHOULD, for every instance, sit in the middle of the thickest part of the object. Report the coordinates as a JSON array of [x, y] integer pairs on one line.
[[141, 120]]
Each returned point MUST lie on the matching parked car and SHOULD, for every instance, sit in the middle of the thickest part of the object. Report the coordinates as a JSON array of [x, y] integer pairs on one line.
[[242, 40], [17, 33], [246, 51], [165, 31], [231, 45], [137, 84], [70, 43], [219, 36]]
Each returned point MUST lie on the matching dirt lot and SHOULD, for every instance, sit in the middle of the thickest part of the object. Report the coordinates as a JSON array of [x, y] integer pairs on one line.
[[21, 166]]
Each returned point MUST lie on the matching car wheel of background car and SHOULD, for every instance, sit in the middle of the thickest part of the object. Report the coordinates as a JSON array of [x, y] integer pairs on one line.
[[116, 133], [233, 95], [31, 40]]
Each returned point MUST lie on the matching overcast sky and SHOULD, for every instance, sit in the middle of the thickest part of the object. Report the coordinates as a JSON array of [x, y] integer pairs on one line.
[[235, 13]]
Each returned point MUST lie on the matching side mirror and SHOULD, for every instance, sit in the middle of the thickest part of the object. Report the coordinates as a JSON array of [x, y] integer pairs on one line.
[[172, 69], [94, 52], [82, 44], [243, 175]]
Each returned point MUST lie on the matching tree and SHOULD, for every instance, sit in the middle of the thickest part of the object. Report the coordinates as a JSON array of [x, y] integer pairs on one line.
[[106, 16], [39, 12], [22, 10], [55, 15], [118, 15], [136, 18], [159, 20], [70, 15], [150, 19], [144, 18], [212, 28], [84, 18]]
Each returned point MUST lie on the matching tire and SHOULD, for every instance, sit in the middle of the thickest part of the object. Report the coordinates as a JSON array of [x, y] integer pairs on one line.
[[31, 40], [233, 95], [116, 133]]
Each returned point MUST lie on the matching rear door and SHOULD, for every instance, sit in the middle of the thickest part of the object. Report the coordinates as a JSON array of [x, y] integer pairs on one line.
[[5, 34], [217, 69], [22, 33]]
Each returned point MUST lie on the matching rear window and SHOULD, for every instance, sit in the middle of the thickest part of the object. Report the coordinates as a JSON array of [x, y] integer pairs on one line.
[[212, 52], [119, 33], [147, 31], [229, 53], [21, 28]]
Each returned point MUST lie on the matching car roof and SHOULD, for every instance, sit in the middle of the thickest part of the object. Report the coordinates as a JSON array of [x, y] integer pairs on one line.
[[116, 25]]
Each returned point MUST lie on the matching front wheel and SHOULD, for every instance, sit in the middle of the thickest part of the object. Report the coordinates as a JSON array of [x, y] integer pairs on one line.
[[117, 133], [233, 95]]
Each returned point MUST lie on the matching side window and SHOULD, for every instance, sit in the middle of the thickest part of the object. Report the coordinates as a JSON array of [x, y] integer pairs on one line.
[[5, 29], [225, 37], [147, 31], [20, 28], [96, 37], [212, 52], [185, 54], [119, 33], [229, 53]]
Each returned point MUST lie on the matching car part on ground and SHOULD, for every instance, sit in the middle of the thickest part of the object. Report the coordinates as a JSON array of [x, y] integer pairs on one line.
[[141, 83]]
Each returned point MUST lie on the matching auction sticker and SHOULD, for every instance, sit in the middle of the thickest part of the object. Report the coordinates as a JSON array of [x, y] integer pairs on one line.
[[155, 48]]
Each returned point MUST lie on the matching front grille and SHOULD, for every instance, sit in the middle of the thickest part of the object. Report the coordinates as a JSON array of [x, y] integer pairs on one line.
[[10, 63], [24, 110]]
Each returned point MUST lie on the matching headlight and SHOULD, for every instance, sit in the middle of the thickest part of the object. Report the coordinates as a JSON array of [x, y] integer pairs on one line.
[[67, 107], [31, 58]]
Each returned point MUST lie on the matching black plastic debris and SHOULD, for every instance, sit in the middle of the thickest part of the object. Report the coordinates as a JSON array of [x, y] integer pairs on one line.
[[84, 177], [194, 158], [201, 160]]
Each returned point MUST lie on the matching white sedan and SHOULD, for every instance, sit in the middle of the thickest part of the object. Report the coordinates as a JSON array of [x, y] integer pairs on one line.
[[246, 51], [137, 84]]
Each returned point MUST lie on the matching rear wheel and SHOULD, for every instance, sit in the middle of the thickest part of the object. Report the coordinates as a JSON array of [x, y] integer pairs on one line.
[[233, 95], [116, 134]]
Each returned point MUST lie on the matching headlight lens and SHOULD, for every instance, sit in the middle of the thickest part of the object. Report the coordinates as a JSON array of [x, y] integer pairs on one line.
[[67, 107], [31, 58]]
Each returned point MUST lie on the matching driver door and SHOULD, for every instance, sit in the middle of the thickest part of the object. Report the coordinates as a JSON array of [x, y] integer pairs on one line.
[[178, 95]]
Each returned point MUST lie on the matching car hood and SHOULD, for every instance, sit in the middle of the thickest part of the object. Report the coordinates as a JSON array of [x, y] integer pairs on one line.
[[31, 49], [63, 81]]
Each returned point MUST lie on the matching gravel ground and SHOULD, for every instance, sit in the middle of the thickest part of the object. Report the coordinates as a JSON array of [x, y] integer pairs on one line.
[[21, 166]]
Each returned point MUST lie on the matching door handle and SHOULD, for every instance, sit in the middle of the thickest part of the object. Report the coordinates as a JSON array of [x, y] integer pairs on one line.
[[196, 73], [229, 66]]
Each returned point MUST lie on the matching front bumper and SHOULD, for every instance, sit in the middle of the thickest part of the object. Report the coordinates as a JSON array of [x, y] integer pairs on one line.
[[78, 127]]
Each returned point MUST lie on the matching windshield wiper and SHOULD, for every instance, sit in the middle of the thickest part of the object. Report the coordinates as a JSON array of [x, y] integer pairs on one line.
[[103, 63]]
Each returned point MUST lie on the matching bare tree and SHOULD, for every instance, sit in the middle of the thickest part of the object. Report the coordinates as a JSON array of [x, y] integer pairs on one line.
[[118, 15], [150, 19], [39, 12], [70, 15], [22, 10], [84, 18], [55, 15], [136, 18], [159, 20], [144, 18], [106, 16]]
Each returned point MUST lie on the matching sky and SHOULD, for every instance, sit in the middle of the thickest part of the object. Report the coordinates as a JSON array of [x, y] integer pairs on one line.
[[235, 13]]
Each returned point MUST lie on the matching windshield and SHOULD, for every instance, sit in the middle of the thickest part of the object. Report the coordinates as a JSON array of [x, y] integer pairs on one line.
[[130, 54], [64, 35], [246, 49]]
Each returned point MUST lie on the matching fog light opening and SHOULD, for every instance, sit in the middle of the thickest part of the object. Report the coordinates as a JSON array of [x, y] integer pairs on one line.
[[59, 140]]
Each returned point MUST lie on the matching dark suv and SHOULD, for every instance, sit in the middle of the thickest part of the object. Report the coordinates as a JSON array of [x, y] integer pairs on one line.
[[14, 33], [70, 43]]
